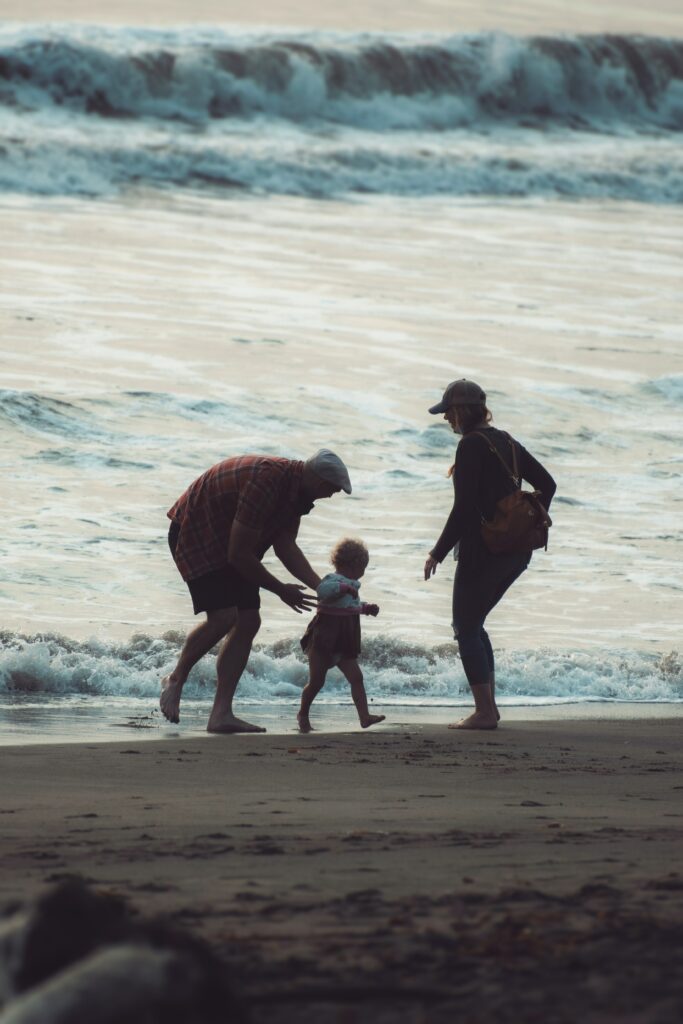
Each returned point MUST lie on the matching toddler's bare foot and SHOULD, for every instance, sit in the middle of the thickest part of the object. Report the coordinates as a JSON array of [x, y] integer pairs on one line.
[[169, 699], [231, 724], [372, 720], [304, 723], [476, 721]]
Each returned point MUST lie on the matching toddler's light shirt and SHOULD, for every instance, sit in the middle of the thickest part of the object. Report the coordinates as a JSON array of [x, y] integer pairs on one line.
[[335, 596]]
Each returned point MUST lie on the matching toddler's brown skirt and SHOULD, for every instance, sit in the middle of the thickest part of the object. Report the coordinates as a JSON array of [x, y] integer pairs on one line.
[[335, 636]]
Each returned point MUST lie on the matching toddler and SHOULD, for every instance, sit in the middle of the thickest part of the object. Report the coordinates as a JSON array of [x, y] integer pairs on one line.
[[333, 636]]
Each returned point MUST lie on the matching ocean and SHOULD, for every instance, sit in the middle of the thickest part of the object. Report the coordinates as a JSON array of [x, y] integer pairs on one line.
[[227, 239]]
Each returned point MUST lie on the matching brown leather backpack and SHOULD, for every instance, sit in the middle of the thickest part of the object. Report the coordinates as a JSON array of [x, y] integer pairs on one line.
[[520, 522]]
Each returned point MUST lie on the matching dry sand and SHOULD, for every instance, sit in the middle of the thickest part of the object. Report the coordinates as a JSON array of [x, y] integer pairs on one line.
[[410, 874]]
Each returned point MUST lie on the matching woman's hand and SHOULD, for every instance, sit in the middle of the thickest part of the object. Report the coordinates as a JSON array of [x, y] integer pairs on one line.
[[430, 567]]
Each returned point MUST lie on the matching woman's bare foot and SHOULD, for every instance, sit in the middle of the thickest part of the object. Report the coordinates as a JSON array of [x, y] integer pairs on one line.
[[231, 724], [304, 722], [169, 699], [476, 721], [371, 720]]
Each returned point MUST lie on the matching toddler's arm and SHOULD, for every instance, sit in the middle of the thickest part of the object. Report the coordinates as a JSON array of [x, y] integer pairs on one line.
[[369, 609]]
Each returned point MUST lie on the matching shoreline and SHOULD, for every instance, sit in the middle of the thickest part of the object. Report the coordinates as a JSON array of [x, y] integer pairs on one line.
[[477, 870], [53, 725]]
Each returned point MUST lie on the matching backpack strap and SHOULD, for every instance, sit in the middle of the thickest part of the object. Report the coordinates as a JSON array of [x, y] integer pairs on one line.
[[514, 473]]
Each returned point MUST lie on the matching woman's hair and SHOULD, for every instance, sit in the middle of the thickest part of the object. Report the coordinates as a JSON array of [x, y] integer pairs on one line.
[[349, 550], [470, 416]]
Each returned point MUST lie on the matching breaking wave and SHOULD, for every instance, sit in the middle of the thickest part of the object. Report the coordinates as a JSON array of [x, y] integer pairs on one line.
[[396, 672], [86, 111], [371, 82]]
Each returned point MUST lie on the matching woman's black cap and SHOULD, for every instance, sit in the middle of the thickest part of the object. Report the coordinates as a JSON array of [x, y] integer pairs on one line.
[[460, 392]]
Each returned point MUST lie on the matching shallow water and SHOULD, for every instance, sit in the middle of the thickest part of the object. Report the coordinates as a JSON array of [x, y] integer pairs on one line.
[[148, 340], [84, 720]]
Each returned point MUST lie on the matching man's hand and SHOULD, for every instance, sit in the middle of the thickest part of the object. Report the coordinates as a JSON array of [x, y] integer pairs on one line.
[[430, 567], [372, 609], [293, 595]]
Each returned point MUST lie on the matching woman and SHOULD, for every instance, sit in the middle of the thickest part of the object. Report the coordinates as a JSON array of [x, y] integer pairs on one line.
[[481, 578]]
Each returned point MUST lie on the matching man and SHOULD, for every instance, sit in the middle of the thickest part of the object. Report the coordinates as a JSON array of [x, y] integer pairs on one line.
[[221, 527]]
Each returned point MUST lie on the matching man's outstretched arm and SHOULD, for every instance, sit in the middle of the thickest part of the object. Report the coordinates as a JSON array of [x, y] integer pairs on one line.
[[293, 558], [242, 554]]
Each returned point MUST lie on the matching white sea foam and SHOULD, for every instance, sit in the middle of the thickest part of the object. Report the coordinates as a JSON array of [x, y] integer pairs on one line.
[[572, 166], [395, 672], [671, 388]]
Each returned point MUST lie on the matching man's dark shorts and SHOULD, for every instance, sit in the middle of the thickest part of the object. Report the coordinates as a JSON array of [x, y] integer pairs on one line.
[[222, 588]]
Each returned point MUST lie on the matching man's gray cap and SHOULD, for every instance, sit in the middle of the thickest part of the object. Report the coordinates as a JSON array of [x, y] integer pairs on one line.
[[460, 392], [330, 467]]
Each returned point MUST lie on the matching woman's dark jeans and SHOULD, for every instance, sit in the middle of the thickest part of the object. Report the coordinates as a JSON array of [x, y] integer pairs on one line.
[[473, 599]]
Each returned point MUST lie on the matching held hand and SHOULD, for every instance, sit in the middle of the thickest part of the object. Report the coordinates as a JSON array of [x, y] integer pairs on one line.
[[293, 595], [430, 567], [372, 609]]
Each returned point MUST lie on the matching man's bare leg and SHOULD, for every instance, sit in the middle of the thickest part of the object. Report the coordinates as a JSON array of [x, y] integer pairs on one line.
[[318, 666], [484, 716], [231, 663], [197, 643], [351, 670]]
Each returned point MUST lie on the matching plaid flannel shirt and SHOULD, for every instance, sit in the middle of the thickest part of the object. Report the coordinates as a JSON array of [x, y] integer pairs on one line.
[[262, 492]]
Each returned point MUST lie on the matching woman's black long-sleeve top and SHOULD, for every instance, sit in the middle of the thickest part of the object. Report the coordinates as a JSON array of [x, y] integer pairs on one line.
[[480, 482]]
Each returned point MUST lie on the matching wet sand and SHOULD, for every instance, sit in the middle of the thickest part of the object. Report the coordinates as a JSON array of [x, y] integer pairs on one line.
[[408, 874]]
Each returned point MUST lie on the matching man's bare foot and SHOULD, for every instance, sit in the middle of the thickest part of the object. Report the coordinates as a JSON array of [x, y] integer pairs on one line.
[[304, 723], [169, 700], [476, 721], [372, 720], [230, 724]]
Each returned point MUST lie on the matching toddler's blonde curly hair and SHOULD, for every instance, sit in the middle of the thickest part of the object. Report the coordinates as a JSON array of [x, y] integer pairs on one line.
[[349, 550]]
